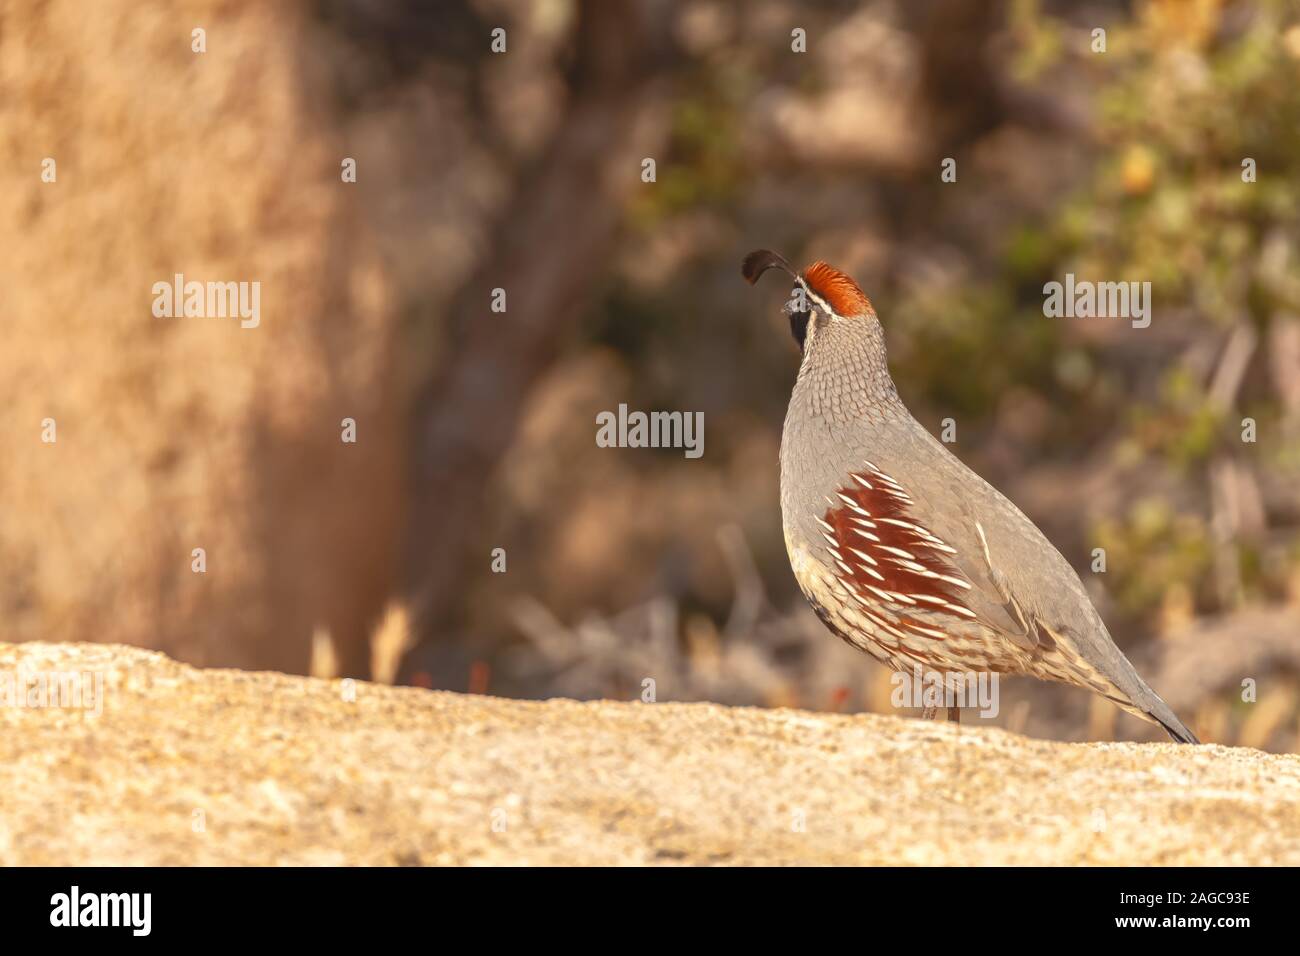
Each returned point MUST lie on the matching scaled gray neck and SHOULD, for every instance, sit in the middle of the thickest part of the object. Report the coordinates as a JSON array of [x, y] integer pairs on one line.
[[845, 376], [844, 410]]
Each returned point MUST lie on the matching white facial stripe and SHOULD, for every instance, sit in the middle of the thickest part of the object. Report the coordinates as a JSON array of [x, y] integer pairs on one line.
[[817, 300]]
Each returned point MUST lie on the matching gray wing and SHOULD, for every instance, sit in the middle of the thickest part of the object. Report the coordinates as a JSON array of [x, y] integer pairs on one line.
[[1022, 588]]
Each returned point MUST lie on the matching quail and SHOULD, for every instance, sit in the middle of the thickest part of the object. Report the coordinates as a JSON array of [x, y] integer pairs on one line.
[[904, 552]]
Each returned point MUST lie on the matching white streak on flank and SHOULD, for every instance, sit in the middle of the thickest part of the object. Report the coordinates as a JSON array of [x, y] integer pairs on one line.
[[893, 488], [903, 597], [946, 605], [853, 505], [957, 581], [862, 481], [904, 524], [873, 572], [890, 629], [985, 542], [863, 556], [883, 595], [898, 551], [887, 479], [829, 527], [862, 522], [931, 632], [832, 541], [908, 565], [868, 535]]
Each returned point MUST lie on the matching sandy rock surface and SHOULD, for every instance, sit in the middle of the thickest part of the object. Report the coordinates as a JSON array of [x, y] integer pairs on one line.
[[187, 766]]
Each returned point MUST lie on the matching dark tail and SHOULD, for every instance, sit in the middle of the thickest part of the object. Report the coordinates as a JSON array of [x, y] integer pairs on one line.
[[1176, 729], [1141, 700]]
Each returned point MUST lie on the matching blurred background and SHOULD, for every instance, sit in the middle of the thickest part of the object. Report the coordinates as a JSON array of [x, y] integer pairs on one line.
[[522, 170]]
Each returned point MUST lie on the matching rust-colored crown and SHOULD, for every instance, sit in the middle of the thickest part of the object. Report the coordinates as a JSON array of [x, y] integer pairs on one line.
[[840, 292]]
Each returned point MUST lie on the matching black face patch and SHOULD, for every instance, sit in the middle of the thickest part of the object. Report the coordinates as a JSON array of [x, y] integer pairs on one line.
[[799, 327]]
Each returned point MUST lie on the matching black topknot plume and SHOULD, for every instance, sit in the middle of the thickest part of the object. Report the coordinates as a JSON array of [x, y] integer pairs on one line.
[[760, 260]]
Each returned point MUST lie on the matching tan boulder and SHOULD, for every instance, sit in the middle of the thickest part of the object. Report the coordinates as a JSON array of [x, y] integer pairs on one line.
[[184, 766]]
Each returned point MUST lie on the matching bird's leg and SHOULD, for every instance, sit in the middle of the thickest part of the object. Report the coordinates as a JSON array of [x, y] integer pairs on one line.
[[954, 715], [929, 712]]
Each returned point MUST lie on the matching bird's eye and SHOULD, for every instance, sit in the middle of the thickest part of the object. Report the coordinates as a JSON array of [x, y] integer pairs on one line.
[[799, 327]]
